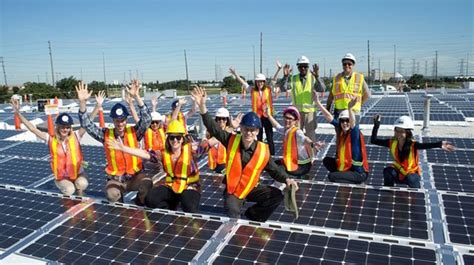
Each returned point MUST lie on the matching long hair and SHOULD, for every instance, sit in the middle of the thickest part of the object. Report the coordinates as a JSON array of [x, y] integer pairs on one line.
[[408, 141], [168, 145]]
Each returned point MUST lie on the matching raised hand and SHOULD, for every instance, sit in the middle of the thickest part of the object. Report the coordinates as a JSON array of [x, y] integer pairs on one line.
[[377, 118], [100, 97], [114, 144], [287, 70], [315, 70], [278, 65], [352, 102], [15, 105], [128, 99], [236, 122], [154, 101], [448, 146], [199, 95], [82, 93], [319, 145], [182, 101], [232, 71], [134, 88]]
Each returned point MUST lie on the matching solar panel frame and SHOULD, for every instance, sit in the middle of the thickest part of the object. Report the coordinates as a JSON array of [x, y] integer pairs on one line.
[[458, 221]]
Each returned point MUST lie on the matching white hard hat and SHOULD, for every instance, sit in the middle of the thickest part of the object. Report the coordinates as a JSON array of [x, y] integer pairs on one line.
[[155, 116], [302, 60], [260, 77], [344, 114], [222, 112], [404, 122], [349, 56]]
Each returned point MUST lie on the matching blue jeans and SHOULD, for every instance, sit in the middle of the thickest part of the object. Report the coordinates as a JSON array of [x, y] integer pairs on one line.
[[390, 176]]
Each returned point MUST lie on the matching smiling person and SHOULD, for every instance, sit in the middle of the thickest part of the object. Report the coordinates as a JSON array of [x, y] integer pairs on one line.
[[246, 159], [65, 149], [261, 99], [350, 164], [405, 168], [297, 147], [301, 86], [124, 172], [155, 134], [178, 161], [346, 84]]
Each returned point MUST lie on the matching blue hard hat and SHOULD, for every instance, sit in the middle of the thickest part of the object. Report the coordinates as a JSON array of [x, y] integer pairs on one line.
[[64, 119], [119, 111], [251, 120], [174, 104]]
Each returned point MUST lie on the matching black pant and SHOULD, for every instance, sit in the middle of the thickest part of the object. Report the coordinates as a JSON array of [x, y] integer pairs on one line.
[[164, 197], [302, 170], [342, 176], [390, 176], [267, 199], [267, 125]]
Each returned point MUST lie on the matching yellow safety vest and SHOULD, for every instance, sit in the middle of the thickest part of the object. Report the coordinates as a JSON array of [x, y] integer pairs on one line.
[[342, 91], [302, 97]]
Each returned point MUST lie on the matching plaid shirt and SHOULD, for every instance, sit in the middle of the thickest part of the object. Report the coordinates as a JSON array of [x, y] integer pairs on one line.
[[98, 133]]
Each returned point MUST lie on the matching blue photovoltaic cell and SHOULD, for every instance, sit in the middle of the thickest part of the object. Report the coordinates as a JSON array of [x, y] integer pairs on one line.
[[452, 178], [8, 133], [24, 172], [374, 153], [459, 211], [107, 234], [93, 154], [459, 157], [28, 149], [463, 143], [389, 212], [4, 144], [468, 258], [22, 213], [259, 245]]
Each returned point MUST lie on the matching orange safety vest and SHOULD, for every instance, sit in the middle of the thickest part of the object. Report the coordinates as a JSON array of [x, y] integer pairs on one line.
[[258, 102], [290, 150], [178, 174], [344, 160], [118, 162], [155, 140], [181, 119], [410, 165], [216, 155], [342, 91], [241, 181], [65, 163]]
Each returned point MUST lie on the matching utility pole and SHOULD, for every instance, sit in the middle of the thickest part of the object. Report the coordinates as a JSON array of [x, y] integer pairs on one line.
[[380, 72], [261, 56], [461, 67], [186, 64], [4, 73], [394, 60], [400, 66], [467, 65], [413, 69], [51, 60], [368, 61], [254, 72], [436, 65]]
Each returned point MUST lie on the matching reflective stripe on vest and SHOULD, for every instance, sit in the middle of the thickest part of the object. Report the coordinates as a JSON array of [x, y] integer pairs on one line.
[[290, 150], [410, 165], [258, 102], [344, 160], [118, 162], [302, 97], [65, 163], [177, 173], [240, 182], [155, 140], [216, 156], [342, 91]]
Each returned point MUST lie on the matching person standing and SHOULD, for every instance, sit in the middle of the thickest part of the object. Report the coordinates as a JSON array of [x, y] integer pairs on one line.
[[124, 172], [346, 84], [261, 98], [301, 86]]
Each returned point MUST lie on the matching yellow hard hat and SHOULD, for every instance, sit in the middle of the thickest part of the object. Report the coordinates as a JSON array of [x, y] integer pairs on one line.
[[175, 127]]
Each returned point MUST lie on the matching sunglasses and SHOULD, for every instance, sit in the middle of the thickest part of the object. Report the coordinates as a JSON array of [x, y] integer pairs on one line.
[[65, 127], [397, 130], [288, 118], [221, 119], [175, 137], [303, 66], [155, 122], [349, 64], [343, 120]]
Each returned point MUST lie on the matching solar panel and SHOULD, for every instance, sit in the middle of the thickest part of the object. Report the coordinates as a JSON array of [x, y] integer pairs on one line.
[[5, 144], [25, 212], [374, 153], [24, 172], [453, 178], [459, 157], [250, 244], [453, 116], [468, 258], [105, 234], [28, 149], [459, 215], [463, 143], [4, 134], [381, 211], [93, 154]]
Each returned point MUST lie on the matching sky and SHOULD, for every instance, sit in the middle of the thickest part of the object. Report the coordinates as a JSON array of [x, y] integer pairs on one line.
[[146, 39]]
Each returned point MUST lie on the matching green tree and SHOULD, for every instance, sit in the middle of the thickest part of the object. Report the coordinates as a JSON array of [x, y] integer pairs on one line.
[[416, 81], [15, 89], [96, 86], [67, 87], [4, 95], [40, 90], [231, 84]]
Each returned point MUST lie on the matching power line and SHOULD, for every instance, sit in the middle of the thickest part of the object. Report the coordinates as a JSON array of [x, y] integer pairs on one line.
[[51, 60]]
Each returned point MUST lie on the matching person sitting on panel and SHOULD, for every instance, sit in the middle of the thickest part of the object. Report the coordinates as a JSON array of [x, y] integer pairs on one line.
[[246, 159], [178, 161], [405, 168], [350, 164]]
